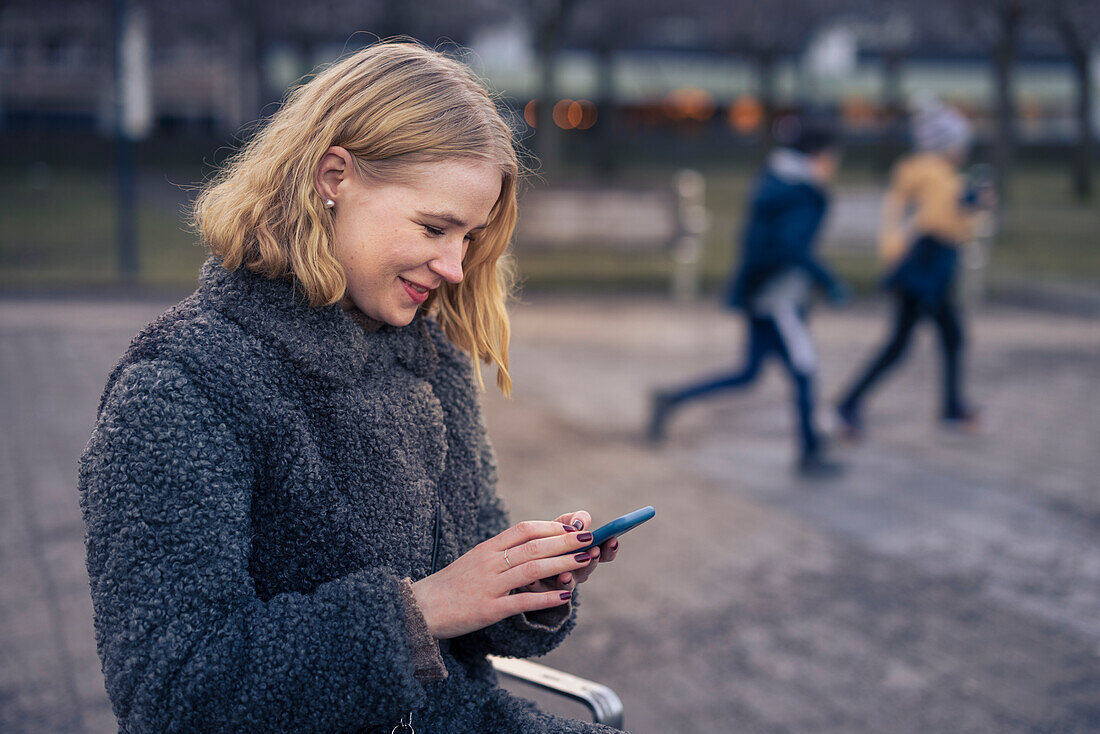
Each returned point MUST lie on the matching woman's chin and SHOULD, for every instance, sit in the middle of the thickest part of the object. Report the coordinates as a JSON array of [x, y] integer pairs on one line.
[[399, 317]]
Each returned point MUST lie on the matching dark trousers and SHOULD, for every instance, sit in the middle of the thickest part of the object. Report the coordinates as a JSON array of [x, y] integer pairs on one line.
[[908, 313], [766, 338]]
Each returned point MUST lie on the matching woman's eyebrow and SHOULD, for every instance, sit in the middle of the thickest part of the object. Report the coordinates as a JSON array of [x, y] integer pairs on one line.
[[451, 219]]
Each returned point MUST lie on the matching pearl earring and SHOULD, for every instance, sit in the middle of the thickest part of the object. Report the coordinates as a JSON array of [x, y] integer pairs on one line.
[[329, 203]]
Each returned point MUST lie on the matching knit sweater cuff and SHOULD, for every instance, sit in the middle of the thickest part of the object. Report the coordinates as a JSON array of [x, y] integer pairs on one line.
[[427, 660], [546, 620]]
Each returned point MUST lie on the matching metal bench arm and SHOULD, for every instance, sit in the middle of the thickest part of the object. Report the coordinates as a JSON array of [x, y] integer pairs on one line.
[[604, 704]]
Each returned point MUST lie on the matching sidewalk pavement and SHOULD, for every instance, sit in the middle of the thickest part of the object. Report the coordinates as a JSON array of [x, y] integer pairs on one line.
[[944, 583]]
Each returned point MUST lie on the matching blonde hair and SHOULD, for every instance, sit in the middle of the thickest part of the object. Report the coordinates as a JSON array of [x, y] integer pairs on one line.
[[393, 106]]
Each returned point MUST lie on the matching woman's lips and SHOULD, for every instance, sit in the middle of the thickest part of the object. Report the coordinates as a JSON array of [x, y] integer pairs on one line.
[[417, 293]]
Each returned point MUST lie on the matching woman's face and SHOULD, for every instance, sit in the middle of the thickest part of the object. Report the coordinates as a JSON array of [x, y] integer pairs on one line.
[[398, 242]]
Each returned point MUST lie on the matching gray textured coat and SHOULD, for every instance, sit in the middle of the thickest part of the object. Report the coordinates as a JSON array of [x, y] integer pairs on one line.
[[262, 476]]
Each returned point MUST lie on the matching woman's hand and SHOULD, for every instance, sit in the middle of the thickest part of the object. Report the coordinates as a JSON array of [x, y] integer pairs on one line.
[[476, 590], [605, 553]]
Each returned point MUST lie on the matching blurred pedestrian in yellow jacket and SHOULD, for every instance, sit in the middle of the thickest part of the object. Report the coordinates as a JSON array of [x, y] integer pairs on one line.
[[928, 213]]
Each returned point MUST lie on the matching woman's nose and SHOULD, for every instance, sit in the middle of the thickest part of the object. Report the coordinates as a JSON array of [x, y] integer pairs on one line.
[[448, 263]]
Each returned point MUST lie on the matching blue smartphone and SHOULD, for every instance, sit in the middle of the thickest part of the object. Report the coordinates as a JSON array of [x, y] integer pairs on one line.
[[619, 525]]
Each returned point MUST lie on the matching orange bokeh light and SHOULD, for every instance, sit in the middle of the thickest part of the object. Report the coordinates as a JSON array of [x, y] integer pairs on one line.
[[568, 114], [689, 104], [574, 114], [562, 116], [589, 115], [746, 114]]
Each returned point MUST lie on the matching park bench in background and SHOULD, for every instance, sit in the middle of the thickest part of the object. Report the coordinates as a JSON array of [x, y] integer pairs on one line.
[[668, 220]]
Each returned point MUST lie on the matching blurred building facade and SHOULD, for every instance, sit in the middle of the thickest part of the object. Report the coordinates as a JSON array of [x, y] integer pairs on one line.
[[690, 69]]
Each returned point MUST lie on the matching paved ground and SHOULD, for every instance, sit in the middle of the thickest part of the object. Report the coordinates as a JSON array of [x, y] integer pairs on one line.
[[943, 584]]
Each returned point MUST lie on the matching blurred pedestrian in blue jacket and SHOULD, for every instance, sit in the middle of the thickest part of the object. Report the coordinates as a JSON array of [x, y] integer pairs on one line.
[[773, 284]]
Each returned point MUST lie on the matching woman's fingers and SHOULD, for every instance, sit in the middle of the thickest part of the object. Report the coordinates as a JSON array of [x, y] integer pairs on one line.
[[527, 530], [533, 601], [545, 568], [585, 571], [580, 520], [545, 548], [605, 553], [561, 582], [609, 550]]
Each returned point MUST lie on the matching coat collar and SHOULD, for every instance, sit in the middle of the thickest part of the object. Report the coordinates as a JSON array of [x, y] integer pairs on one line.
[[322, 341]]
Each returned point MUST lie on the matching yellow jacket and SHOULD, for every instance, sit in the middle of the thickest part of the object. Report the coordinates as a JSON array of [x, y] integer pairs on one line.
[[924, 198]]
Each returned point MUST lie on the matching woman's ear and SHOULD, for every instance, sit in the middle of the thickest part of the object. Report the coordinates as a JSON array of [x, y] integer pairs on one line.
[[336, 166]]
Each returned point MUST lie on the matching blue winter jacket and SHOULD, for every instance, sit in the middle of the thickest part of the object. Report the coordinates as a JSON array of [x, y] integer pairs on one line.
[[782, 227]]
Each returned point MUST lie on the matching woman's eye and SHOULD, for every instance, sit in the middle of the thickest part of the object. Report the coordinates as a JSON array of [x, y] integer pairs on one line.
[[433, 231]]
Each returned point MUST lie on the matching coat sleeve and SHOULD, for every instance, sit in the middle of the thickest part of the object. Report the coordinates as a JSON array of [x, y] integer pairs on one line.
[[521, 635], [796, 233], [186, 644]]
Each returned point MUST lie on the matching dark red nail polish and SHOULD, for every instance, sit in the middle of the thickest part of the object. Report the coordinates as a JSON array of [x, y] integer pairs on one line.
[[578, 524], [585, 538], [569, 528], [582, 558], [566, 595], [614, 545]]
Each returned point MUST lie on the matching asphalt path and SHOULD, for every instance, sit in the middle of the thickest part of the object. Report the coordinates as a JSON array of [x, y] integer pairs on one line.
[[944, 582]]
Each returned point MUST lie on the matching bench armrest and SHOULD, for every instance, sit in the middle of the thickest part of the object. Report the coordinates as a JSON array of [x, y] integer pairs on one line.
[[604, 704]]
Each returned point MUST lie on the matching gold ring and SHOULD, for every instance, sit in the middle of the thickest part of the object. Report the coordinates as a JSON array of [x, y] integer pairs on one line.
[[506, 558]]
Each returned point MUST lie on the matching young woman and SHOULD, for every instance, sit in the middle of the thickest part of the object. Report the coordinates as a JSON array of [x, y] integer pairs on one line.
[[289, 495]]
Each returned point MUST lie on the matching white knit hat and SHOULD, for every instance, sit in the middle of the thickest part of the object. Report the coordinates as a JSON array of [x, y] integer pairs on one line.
[[936, 127]]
